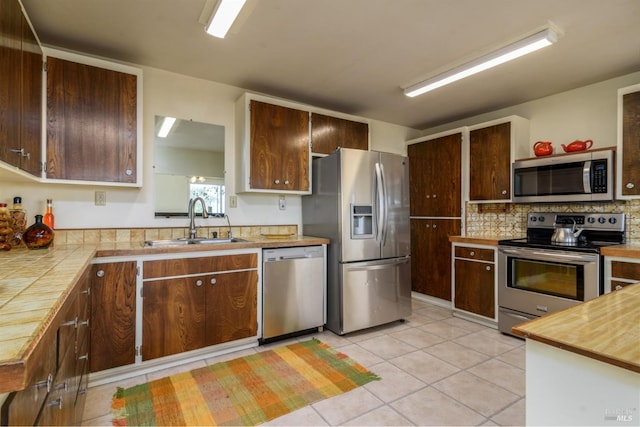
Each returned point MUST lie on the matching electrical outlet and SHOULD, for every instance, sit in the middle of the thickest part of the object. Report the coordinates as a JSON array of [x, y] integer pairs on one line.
[[101, 198], [233, 201], [282, 203]]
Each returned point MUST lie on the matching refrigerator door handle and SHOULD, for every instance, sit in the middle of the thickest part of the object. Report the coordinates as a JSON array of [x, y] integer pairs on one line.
[[375, 265], [380, 197]]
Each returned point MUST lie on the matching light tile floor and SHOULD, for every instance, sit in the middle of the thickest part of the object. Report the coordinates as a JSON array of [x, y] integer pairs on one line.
[[436, 369]]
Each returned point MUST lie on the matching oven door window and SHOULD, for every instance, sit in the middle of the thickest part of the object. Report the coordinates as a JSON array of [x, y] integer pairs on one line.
[[545, 277]]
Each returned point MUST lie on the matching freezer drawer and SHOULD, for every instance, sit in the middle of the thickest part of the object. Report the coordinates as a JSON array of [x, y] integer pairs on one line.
[[374, 293], [294, 290]]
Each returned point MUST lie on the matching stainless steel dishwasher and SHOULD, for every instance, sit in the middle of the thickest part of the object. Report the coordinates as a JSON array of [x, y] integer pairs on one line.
[[293, 290]]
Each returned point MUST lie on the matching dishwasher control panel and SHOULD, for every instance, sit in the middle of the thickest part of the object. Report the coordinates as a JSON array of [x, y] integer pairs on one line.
[[281, 254]]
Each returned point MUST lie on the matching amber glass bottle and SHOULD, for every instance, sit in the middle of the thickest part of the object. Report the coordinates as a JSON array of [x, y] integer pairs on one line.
[[48, 216], [38, 235]]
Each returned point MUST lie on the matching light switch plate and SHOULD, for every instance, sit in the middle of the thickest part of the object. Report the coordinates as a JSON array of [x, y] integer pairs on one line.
[[233, 201], [282, 203]]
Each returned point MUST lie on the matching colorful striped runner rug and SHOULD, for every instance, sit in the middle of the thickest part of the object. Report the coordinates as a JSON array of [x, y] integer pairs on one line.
[[244, 391]]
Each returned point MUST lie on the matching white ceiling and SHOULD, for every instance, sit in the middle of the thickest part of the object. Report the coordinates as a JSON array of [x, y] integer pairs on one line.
[[355, 56]]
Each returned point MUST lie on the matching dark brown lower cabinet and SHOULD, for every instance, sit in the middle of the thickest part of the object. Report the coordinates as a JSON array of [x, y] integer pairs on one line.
[[627, 273], [183, 314], [431, 256], [55, 393], [475, 287], [113, 317]]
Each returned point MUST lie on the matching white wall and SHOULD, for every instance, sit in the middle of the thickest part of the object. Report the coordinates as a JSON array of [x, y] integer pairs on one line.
[[166, 93], [589, 112]]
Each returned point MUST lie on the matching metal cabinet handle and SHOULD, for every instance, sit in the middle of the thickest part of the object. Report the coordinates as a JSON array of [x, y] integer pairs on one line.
[[426, 196], [198, 282], [277, 181], [504, 192], [630, 185], [618, 287], [488, 267], [286, 182], [21, 152], [45, 383], [73, 323], [472, 253], [434, 196], [84, 357], [62, 386], [57, 402], [84, 322], [100, 273], [213, 281], [87, 291], [434, 225]]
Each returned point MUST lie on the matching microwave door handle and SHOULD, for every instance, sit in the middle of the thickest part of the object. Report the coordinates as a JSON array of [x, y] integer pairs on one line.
[[586, 177]]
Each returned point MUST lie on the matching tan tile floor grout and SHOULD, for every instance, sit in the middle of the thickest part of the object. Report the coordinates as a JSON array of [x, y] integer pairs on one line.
[[436, 369]]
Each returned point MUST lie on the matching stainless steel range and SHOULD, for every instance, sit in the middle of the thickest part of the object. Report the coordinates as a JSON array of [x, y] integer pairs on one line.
[[556, 266]]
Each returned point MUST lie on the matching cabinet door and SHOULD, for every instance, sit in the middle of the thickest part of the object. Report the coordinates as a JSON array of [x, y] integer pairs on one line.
[[232, 306], [31, 108], [490, 163], [279, 148], [330, 133], [10, 81], [91, 123], [113, 315], [474, 287], [630, 185], [173, 316], [435, 176], [431, 256]]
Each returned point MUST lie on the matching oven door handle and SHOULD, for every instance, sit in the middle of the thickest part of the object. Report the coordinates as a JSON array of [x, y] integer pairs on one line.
[[523, 253], [566, 256]]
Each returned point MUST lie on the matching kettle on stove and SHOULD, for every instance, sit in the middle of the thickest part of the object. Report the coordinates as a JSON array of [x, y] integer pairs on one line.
[[564, 234]]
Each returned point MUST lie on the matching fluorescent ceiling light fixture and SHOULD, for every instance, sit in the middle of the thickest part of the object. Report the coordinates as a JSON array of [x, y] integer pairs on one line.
[[515, 50], [225, 12], [167, 124]]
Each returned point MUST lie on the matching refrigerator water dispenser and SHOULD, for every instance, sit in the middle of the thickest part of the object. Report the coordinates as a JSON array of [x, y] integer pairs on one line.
[[361, 221]]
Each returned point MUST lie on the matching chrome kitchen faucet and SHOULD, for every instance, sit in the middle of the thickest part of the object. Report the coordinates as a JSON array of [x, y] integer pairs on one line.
[[229, 236], [192, 215]]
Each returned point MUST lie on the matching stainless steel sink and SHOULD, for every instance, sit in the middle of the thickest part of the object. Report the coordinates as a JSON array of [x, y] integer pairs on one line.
[[186, 241]]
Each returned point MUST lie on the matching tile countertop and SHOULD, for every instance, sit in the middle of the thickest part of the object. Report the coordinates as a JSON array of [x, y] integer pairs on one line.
[[606, 328], [33, 287], [35, 283], [138, 248]]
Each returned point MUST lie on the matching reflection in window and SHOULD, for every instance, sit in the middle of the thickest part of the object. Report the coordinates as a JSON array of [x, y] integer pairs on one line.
[[213, 195]]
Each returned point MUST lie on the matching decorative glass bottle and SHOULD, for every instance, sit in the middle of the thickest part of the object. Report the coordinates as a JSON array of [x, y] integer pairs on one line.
[[48, 216], [38, 235], [18, 221]]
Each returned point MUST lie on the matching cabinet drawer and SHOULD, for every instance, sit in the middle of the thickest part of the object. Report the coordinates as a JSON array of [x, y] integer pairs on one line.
[[184, 266], [625, 270], [617, 285], [474, 253]]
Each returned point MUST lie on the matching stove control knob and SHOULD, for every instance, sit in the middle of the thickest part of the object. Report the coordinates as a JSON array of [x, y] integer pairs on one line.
[[541, 218], [612, 220], [533, 219], [591, 220], [602, 220]]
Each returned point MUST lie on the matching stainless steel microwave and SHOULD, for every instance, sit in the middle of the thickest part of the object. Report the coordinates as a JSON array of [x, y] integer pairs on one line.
[[581, 177]]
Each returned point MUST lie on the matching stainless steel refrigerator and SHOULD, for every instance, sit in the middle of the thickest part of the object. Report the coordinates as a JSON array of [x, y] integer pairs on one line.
[[360, 201]]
